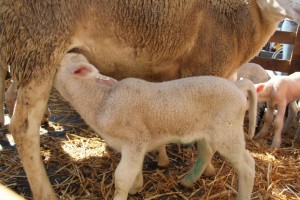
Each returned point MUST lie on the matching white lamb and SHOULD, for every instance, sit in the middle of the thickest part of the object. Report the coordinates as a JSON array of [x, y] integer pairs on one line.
[[277, 92], [135, 116], [256, 74]]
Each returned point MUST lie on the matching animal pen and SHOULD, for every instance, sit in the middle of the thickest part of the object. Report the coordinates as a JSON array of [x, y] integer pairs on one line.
[[81, 166]]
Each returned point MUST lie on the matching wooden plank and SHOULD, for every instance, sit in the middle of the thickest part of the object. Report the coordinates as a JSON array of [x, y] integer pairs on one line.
[[272, 64], [283, 37], [295, 62]]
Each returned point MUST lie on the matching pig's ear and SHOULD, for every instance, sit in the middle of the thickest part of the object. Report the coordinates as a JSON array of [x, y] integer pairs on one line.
[[81, 70], [259, 87]]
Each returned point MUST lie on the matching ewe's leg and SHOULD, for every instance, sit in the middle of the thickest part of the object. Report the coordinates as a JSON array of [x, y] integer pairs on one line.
[[205, 153], [278, 124], [128, 171], [29, 109], [162, 157], [2, 90], [292, 113], [11, 97], [267, 122]]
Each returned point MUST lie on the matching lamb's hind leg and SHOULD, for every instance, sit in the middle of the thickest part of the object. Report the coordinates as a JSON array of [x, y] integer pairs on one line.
[[202, 164], [243, 162], [267, 122], [278, 124], [29, 109]]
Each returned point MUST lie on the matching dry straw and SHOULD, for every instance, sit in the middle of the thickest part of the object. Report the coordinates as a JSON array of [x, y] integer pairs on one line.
[[81, 166]]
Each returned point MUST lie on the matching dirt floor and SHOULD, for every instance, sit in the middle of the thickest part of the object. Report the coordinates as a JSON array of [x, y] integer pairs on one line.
[[81, 166]]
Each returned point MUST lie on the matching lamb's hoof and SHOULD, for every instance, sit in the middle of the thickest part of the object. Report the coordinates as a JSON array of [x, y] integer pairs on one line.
[[209, 171], [275, 145], [186, 183], [163, 164], [135, 190], [260, 135]]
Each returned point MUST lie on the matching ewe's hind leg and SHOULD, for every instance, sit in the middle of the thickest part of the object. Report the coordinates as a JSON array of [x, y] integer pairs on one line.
[[128, 173], [278, 124], [205, 153], [243, 162], [25, 123], [267, 122]]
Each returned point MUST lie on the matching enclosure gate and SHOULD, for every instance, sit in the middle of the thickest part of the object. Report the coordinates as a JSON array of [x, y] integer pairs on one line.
[[287, 66]]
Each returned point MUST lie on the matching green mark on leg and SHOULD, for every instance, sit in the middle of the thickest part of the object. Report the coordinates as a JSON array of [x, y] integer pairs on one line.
[[195, 172]]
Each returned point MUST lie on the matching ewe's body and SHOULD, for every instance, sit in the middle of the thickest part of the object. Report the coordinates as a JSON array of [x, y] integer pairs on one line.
[[154, 40], [277, 92], [206, 109], [253, 72]]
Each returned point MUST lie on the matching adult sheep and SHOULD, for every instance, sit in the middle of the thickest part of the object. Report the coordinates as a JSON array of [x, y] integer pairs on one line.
[[154, 40]]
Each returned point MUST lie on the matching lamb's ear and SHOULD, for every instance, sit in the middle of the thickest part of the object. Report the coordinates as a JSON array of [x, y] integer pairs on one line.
[[259, 87], [81, 69]]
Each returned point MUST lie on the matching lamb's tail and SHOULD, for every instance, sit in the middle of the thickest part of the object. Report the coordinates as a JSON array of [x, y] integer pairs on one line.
[[248, 88]]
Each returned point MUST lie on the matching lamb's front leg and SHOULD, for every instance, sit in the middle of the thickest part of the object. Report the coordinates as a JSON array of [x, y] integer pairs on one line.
[[25, 123], [162, 157], [128, 173], [278, 124], [267, 122]]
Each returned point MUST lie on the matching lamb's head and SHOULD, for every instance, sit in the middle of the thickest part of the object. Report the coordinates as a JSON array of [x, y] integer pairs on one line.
[[280, 9], [263, 91], [76, 68]]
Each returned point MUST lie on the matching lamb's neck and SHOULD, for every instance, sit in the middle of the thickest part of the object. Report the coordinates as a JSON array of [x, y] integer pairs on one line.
[[88, 102]]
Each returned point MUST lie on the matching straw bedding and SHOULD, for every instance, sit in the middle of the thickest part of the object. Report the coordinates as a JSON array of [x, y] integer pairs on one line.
[[80, 165]]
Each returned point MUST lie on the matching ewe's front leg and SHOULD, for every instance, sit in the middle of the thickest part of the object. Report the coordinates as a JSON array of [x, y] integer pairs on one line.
[[278, 124], [10, 99], [128, 173], [29, 109]]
